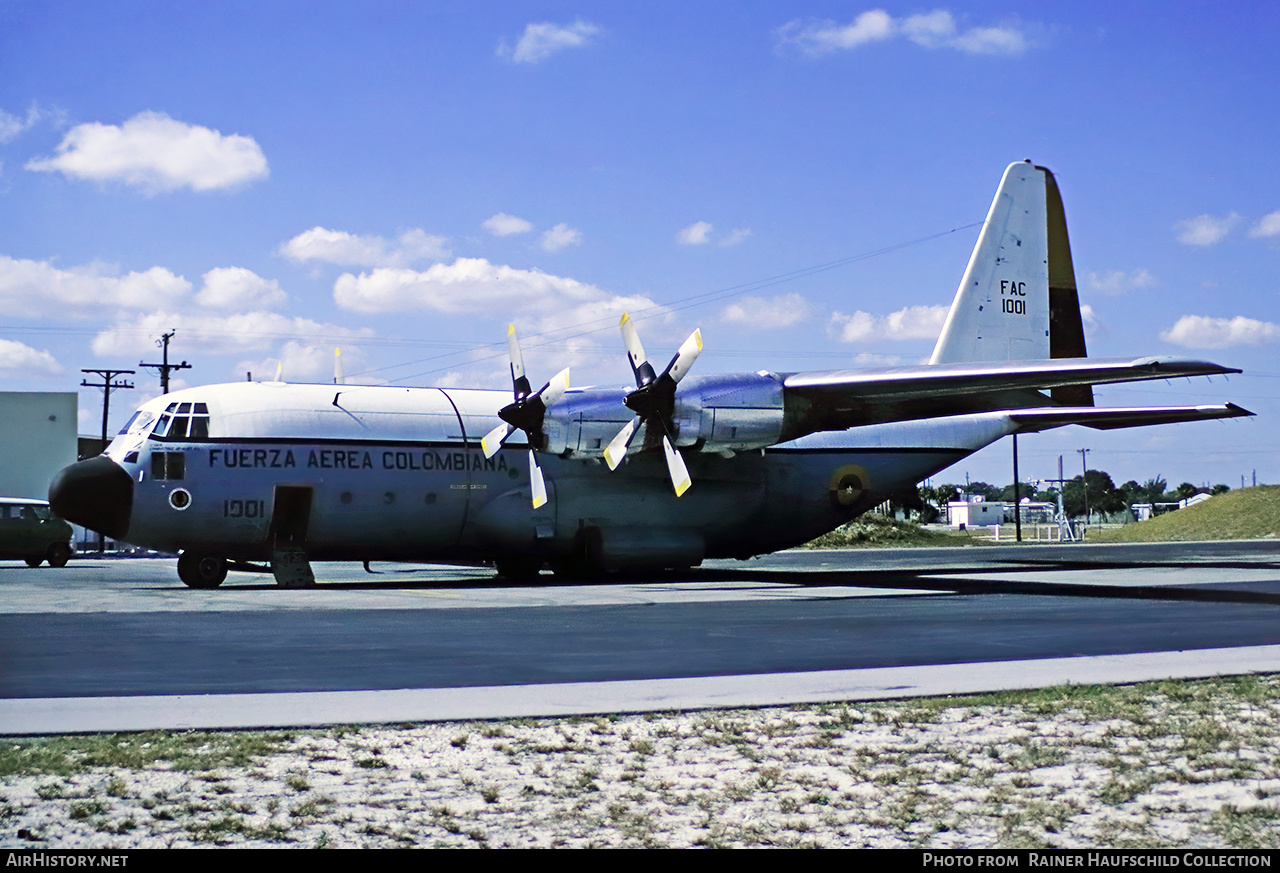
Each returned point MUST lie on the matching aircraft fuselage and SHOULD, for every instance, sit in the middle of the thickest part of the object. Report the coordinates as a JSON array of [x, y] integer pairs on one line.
[[399, 475]]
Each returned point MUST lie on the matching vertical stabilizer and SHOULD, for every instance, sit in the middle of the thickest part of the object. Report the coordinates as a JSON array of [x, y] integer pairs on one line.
[[1001, 310], [1066, 328]]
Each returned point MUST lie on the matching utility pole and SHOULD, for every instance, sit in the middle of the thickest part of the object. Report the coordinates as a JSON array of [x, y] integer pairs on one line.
[[1017, 498], [1084, 479], [1064, 526], [107, 386], [165, 367]]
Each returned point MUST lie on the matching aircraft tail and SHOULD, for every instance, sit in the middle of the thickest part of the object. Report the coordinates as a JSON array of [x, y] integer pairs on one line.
[[1018, 300]]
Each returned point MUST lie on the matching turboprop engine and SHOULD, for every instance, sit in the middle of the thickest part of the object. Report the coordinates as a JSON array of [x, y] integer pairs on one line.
[[719, 414]]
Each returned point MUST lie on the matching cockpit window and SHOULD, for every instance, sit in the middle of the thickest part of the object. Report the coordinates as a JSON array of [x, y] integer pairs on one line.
[[183, 421], [138, 422]]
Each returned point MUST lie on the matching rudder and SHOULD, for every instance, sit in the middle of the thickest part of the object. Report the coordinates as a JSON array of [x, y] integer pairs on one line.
[[1017, 300]]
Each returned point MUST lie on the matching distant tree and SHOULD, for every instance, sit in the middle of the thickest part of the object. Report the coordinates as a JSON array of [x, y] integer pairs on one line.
[[984, 490], [938, 496], [1219, 489], [1153, 490], [1093, 492], [1025, 492], [1185, 490]]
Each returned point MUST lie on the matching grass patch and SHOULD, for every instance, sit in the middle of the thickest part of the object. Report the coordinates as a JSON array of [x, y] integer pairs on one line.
[[189, 752], [1249, 513], [876, 530]]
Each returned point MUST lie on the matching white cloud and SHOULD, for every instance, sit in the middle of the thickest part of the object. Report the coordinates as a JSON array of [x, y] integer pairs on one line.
[[1269, 225], [1205, 230], [781, 311], [506, 225], [1093, 326], [819, 38], [912, 323], [12, 125], [542, 302], [542, 40], [238, 288], [1119, 282], [559, 237], [156, 153], [351, 250], [466, 285], [303, 362], [1204, 332], [931, 30], [17, 359], [696, 234], [217, 334], [701, 233], [873, 359], [38, 288]]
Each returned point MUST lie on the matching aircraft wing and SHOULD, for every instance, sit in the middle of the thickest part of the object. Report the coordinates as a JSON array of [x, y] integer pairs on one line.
[[835, 400], [1035, 420]]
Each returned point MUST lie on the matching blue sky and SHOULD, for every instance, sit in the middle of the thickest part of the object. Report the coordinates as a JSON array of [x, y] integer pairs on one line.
[[404, 179]]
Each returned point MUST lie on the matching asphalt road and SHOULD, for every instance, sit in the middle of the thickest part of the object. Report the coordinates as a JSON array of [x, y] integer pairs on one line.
[[127, 627]]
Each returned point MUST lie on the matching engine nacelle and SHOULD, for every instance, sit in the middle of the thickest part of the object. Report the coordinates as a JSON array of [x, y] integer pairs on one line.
[[723, 414]]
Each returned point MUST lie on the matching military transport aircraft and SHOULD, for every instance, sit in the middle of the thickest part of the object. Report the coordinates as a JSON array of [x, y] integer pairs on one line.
[[675, 470]]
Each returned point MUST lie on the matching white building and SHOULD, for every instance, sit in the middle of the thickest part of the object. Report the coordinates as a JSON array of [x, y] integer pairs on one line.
[[37, 439], [981, 513]]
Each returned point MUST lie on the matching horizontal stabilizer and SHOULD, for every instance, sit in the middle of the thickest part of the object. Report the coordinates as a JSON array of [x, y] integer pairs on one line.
[[1034, 420]]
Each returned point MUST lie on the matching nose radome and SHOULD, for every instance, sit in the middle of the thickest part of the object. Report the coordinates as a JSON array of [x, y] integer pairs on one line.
[[96, 494]]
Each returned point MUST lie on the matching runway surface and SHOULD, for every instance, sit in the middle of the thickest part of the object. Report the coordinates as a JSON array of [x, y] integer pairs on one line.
[[99, 643]]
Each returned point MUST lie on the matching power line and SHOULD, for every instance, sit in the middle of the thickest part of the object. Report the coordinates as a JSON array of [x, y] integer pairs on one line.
[[586, 328]]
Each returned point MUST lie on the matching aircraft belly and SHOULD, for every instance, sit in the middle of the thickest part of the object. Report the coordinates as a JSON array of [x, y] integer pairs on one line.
[[824, 488]]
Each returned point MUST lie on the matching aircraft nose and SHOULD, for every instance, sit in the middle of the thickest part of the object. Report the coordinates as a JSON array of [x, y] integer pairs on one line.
[[96, 494]]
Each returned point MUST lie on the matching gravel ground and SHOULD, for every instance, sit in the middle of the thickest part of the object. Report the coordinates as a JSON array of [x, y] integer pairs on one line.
[[1192, 764]]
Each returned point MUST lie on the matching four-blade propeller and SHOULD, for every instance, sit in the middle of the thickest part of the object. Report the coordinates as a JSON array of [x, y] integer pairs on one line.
[[653, 401], [526, 414]]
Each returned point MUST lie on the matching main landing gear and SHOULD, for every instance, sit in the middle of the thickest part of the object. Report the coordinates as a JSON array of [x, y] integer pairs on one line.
[[201, 571]]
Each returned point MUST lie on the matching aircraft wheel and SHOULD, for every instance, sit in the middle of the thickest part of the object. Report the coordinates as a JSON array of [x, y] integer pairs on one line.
[[59, 554], [34, 562], [201, 571]]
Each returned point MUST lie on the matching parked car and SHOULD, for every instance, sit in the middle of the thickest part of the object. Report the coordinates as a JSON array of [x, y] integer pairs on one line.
[[29, 530]]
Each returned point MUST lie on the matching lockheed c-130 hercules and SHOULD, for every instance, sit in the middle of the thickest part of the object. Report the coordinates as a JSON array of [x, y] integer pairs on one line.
[[675, 470]]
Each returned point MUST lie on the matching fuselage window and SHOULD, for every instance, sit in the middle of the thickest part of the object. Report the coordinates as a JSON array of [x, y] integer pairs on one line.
[[168, 465]]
